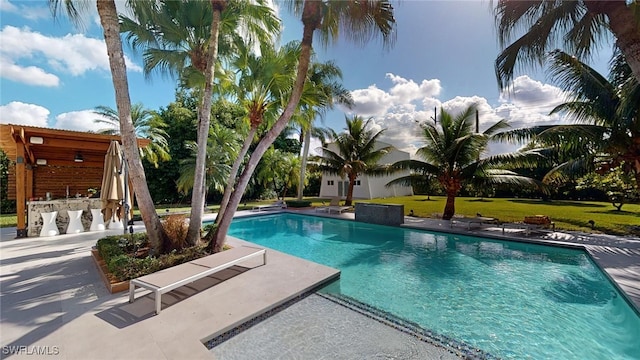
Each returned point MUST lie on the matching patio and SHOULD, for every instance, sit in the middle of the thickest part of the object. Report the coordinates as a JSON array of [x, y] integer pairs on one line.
[[53, 299]]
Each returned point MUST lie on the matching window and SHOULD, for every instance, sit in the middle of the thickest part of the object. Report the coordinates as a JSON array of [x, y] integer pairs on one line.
[[357, 183], [330, 182]]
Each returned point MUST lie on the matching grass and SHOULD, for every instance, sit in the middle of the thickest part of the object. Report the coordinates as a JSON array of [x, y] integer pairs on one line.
[[568, 215]]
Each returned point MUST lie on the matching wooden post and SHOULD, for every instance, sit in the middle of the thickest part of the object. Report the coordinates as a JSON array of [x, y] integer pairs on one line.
[[21, 230]]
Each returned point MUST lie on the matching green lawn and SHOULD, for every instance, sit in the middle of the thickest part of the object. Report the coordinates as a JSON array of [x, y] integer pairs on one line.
[[568, 215]]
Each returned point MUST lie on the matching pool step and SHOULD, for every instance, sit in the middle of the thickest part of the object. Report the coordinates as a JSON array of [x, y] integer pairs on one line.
[[459, 348]]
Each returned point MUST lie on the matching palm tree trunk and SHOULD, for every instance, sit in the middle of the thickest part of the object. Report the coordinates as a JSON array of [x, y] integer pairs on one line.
[[352, 182], [450, 206], [312, 15], [109, 21], [234, 173], [625, 27], [303, 163], [204, 119]]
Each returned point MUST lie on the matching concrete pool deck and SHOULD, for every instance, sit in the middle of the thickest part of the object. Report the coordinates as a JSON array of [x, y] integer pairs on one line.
[[53, 302]]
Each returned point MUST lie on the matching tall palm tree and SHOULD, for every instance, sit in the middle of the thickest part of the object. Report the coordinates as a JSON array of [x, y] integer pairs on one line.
[[148, 125], [452, 153], [323, 79], [109, 21], [262, 81], [356, 154], [359, 21], [607, 114], [578, 24], [203, 54]]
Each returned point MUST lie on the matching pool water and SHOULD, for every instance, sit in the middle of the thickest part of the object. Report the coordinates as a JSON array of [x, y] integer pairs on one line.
[[510, 299]]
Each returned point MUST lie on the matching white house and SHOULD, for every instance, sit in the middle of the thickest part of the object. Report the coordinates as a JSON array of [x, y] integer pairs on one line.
[[367, 187]]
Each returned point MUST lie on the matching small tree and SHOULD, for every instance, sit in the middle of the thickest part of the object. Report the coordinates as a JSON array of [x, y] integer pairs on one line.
[[356, 154], [617, 184]]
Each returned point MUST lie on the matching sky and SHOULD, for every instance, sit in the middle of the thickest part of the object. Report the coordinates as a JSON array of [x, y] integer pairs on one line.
[[53, 74]]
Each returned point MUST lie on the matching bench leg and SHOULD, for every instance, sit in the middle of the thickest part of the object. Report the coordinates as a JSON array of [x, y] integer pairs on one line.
[[158, 298], [264, 258], [132, 291]]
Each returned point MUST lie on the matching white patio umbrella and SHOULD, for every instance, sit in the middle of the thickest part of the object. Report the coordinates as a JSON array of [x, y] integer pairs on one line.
[[112, 191]]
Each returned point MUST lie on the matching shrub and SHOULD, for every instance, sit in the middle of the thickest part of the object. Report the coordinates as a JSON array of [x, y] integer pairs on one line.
[[119, 254], [298, 203], [175, 226]]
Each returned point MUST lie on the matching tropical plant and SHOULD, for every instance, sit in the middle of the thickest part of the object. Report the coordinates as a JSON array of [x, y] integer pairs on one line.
[[111, 28], [241, 18], [323, 81], [263, 80], [222, 150], [359, 21], [579, 25], [279, 170], [148, 125], [452, 153], [606, 134], [356, 152]]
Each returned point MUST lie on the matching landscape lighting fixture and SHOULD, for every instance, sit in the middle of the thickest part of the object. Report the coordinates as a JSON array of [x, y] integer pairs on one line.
[[36, 140], [78, 158], [41, 161]]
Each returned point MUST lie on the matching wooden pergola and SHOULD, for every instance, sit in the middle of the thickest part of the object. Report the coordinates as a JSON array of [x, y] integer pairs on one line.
[[58, 162]]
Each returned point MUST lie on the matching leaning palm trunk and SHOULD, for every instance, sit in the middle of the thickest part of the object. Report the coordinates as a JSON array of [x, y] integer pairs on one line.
[[109, 21], [220, 232], [204, 119], [303, 163], [234, 173]]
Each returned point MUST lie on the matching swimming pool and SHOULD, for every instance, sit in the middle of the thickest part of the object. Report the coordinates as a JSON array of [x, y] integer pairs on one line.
[[512, 300]]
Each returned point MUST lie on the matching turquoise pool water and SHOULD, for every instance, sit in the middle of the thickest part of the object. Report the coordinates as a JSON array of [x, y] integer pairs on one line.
[[513, 300]]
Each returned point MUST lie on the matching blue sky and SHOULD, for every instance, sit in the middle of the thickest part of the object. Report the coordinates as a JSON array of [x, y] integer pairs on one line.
[[53, 74]]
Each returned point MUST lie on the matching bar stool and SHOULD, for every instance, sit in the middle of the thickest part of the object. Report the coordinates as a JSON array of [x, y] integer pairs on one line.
[[114, 223], [49, 227], [75, 222], [97, 223]]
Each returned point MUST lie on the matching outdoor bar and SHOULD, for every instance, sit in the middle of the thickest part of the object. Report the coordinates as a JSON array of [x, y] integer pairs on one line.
[[55, 172]]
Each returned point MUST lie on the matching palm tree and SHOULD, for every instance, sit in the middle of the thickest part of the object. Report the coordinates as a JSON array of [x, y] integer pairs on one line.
[[262, 81], [222, 149], [356, 154], [578, 24], [148, 124], [323, 79], [109, 21], [360, 21], [452, 154], [158, 28], [279, 170], [607, 112]]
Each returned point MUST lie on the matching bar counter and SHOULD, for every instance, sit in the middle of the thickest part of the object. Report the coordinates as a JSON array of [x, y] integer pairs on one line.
[[62, 206]]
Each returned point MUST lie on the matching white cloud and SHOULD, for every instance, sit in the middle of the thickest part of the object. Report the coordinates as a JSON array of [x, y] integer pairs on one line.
[[30, 75], [406, 103], [83, 120], [31, 53], [28, 12], [19, 113]]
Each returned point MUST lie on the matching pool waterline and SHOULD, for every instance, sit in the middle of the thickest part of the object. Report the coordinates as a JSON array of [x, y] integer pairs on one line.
[[448, 283]]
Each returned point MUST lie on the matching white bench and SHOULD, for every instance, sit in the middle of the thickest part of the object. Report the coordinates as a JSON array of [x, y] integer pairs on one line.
[[174, 277], [480, 220]]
